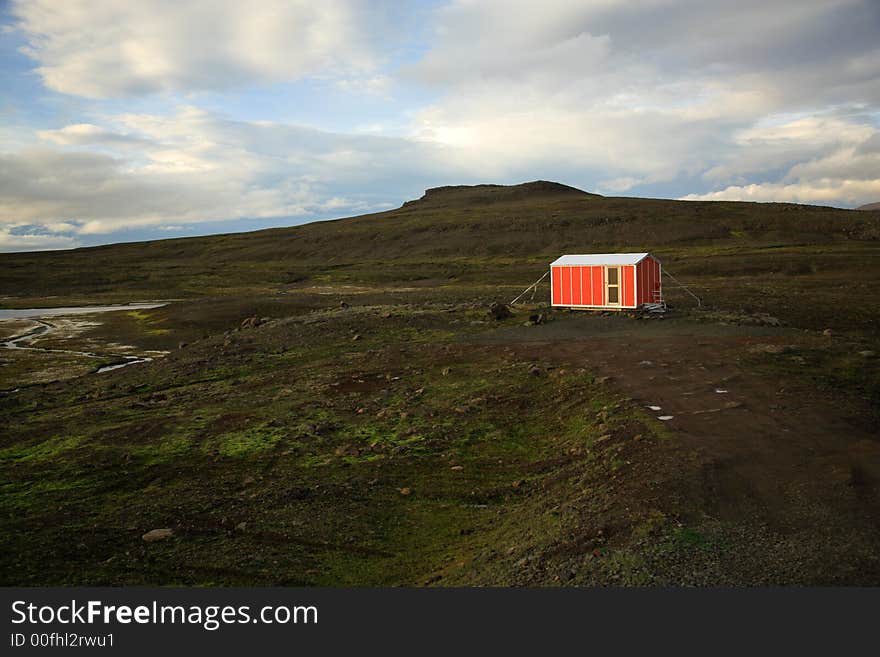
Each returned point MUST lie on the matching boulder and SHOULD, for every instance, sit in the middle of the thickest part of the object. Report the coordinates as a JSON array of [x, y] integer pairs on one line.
[[499, 311], [158, 535], [767, 320], [253, 322], [771, 349]]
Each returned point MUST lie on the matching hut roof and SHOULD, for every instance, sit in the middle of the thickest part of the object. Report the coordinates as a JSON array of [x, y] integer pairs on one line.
[[600, 259]]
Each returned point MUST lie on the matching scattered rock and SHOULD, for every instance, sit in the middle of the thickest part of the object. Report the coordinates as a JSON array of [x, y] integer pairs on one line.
[[457, 467], [343, 305], [767, 320], [158, 535], [664, 418], [356, 337], [181, 345], [445, 371], [240, 527], [602, 379], [499, 311], [828, 333], [406, 490], [867, 353], [253, 322], [535, 371], [771, 349]]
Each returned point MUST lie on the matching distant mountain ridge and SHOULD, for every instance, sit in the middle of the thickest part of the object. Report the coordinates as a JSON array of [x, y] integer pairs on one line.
[[535, 221], [481, 194], [869, 206]]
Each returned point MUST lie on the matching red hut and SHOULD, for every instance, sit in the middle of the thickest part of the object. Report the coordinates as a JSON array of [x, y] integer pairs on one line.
[[606, 281]]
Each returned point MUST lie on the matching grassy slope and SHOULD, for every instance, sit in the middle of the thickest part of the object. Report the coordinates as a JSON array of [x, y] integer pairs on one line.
[[399, 457], [426, 450], [475, 235]]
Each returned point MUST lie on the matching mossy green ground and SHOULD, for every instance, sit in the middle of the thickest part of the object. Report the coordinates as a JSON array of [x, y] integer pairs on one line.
[[410, 439], [396, 458]]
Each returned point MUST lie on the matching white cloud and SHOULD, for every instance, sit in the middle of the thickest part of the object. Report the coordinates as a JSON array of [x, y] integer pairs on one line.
[[194, 166], [754, 100], [11, 241], [376, 85], [519, 132], [87, 134], [822, 159], [629, 94], [634, 47], [822, 191], [104, 48], [779, 143], [620, 184]]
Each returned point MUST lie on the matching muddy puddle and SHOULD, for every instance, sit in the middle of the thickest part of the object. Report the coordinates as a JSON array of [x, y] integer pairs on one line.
[[43, 313], [24, 329]]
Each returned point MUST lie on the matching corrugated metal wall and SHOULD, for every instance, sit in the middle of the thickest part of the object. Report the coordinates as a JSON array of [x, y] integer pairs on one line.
[[583, 285], [648, 272], [574, 285]]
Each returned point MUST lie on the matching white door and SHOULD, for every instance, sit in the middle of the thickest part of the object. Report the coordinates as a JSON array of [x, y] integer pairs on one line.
[[612, 286]]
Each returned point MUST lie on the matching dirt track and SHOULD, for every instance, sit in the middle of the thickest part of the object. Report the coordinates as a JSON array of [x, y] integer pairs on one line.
[[776, 453]]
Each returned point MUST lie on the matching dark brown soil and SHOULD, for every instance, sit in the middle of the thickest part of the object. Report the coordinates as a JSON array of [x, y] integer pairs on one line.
[[757, 448], [382, 429]]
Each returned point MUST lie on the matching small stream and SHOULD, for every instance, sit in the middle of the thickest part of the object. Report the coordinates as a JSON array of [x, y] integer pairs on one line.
[[44, 327], [42, 313]]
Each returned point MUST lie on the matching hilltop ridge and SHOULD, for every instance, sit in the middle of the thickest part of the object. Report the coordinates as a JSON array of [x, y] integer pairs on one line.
[[486, 193], [331, 404], [530, 222]]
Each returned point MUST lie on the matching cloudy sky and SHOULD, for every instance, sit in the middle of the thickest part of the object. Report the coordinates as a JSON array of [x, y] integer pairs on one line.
[[130, 120]]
